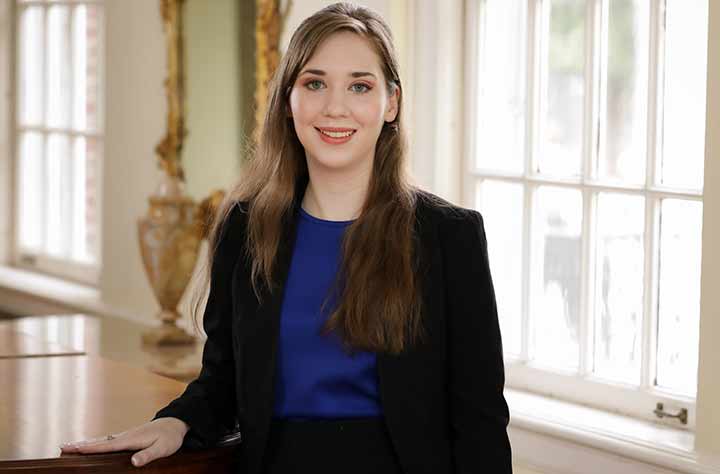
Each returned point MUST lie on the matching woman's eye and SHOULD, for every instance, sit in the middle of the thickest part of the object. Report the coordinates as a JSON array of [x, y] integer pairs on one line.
[[365, 86], [317, 84], [309, 84]]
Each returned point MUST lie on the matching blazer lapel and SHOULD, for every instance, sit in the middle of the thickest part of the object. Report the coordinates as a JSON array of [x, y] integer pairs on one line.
[[408, 372], [261, 333]]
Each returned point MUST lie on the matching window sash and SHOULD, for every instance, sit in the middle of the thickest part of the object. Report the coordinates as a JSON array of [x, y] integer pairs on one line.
[[40, 259], [582, 387]]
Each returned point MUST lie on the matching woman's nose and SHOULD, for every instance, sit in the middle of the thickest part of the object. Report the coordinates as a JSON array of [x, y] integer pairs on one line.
[[336, 103]]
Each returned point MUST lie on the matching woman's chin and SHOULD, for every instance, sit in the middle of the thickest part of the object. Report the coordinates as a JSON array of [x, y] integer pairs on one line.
[[331, 164]]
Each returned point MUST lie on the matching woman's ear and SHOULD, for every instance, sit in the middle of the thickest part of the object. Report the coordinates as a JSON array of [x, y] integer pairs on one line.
[[391, 110]]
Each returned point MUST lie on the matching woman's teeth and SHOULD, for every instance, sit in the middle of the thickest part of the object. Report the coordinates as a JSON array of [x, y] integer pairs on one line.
[[337, 134]]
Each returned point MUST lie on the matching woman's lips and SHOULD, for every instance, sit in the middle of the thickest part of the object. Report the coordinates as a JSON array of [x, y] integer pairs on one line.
[[335, 140]]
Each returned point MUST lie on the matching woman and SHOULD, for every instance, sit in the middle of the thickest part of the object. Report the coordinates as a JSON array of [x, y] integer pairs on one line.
[[351, 318]]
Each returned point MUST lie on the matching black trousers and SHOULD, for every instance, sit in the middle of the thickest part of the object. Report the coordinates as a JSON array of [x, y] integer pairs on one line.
[[348, 446]]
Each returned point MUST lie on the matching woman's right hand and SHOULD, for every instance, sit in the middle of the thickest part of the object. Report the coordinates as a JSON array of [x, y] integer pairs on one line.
[[156, 439]]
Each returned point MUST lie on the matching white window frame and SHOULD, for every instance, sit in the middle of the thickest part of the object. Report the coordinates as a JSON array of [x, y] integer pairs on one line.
[[581, 387], [88, 274]]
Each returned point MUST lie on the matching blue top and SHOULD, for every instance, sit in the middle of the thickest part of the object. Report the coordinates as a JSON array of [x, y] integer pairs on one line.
[[314, 377]]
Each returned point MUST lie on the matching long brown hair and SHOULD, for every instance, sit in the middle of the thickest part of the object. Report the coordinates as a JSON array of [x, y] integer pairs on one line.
[[378, 305]]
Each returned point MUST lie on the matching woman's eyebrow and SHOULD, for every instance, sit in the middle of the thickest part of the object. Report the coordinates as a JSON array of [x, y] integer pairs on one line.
[[320, 72]]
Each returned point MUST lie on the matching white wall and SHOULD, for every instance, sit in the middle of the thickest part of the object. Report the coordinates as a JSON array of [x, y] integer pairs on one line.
[[212, 149], [135, 123], [437, 89]]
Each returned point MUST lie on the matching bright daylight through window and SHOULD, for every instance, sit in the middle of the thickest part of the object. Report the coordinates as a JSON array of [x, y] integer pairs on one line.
[[59, 136], [587, 164]]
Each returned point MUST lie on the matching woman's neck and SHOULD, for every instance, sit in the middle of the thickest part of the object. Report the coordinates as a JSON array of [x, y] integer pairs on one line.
[[335, 196]]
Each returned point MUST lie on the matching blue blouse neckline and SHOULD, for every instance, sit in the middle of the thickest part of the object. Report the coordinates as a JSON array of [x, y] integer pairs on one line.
[[317, 220]]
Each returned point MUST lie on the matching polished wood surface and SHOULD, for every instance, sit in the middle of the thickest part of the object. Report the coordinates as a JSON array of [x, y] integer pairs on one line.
[[111, 338], [14, 343], [46, 401], [216, 461]]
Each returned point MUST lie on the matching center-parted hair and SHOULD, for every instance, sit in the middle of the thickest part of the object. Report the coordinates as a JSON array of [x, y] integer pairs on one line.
[[377, 289]]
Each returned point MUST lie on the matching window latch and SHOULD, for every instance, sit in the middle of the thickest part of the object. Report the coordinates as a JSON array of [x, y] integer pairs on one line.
[[682, 415]]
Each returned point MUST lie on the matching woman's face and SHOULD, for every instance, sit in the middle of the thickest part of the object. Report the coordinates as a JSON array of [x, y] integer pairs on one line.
[[341, 91]]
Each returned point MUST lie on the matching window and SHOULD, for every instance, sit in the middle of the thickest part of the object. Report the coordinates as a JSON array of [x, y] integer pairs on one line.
[[59, 136], [586, 160]]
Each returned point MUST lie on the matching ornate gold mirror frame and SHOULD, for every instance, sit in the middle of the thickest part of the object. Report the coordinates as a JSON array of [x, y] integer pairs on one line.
[[269, 24], [170, 233], [175, 225]]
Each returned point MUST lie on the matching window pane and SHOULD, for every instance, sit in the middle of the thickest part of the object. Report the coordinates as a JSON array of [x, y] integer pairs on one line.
[[31, 189], [683, 120], [619, 286], [562, 88], [58, 195], [679, 295], [623, 131], [85, 165], [58, 78], [86, 68], [501, 85], [501, 205], [555, 273], [30, 66]]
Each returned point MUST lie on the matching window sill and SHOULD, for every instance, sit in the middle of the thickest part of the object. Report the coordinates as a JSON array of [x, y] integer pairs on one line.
[[629, 438], [26, 293]]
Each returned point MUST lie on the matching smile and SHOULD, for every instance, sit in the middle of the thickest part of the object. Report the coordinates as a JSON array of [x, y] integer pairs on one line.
[[335, 137]]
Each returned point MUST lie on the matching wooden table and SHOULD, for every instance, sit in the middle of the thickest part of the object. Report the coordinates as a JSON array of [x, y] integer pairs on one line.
[[110, 338], [46, 401], [50, 395], [14, 344]]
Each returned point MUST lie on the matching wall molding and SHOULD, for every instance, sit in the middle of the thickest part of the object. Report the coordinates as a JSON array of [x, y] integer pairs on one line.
[[437, 71], [7, 31]]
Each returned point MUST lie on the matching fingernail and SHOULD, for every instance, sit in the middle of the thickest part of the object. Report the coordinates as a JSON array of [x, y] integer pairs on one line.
[[135, 461]]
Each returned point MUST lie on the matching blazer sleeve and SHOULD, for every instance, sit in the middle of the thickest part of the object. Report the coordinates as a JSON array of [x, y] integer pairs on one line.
[[479, 413], [208, 404]]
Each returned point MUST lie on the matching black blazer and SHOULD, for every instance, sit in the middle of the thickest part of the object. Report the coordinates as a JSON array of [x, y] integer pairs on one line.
[[443, 400]]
